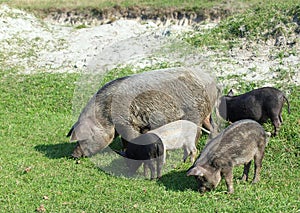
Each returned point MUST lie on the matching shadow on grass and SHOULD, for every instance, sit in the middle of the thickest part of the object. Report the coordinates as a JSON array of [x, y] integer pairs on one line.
[[63, 150], [178, 181], [173, 180], [111, 163], [55, 151]]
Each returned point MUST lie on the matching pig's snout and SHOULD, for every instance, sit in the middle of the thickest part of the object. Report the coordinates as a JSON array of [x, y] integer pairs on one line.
[[204, 185], [77, 153], [202, 189]]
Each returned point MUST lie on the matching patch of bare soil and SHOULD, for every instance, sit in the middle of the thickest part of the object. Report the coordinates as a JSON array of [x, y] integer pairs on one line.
[[122, 38]]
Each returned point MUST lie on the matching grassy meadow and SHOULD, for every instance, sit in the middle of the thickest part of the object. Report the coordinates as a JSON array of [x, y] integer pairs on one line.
[[37, 174], [36, 114]]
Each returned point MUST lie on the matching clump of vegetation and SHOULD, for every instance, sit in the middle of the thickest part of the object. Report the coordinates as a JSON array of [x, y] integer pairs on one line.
[[81, 26], [263, 21]]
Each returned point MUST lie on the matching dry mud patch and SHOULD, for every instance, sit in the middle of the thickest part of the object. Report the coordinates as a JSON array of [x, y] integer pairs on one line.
[[31, 45]]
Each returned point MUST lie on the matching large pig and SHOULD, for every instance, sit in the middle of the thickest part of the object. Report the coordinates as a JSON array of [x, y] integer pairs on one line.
[[94, 129], [130, 105], [238, 144], [259, 105]]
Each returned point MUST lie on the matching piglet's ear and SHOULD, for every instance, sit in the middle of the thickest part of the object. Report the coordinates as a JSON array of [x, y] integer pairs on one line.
[[230, 93], [122, 153], [194, 172]]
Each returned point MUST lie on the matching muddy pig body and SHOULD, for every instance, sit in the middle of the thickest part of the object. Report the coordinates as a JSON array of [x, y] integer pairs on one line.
[[259, 105], [129, 105], [238, 144]]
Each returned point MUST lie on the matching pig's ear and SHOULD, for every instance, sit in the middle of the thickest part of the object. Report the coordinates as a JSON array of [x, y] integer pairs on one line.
[[195, 172], [73, 135], [82, 131], [230, 93], [122, 153]]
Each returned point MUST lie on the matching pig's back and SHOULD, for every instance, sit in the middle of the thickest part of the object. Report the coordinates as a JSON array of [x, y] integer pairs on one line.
[[237, 144], [176, 134]]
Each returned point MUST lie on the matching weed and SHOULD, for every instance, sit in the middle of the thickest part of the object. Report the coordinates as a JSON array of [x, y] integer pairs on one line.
[[81, 26]]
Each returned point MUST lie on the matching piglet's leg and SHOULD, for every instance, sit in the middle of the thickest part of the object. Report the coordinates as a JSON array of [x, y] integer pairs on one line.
[[146, 167], [276, 123], [257, 166], [246, 171], [193, 155], [159, 165], [152, 169], [227, 173], [165, 156], [185, 154], [280, 115], [208, 123]]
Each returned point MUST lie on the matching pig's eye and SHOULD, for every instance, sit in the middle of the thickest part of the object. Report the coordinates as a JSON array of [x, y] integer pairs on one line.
[[201, 178], [208, 185]]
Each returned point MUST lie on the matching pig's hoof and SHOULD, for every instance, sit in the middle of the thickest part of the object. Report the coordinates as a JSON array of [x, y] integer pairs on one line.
[[244, 178], [72, 157], [77, 153], [269, 134], [230, 191], [76, 156]]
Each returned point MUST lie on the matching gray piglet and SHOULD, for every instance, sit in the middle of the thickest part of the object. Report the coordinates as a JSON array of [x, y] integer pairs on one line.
[[238, 144]]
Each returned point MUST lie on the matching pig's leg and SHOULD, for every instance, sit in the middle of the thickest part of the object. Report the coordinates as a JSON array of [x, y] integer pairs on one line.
[[194, 149], [185, 154], [190, 151], [146, 167], [133, 167], [124, 144], [275, 118], [77, 152], [227, 173], [165, 155], [257, 165], [152, 169], [246, 171], [279, 115], [207, 123], [159, 165], [193, 154]]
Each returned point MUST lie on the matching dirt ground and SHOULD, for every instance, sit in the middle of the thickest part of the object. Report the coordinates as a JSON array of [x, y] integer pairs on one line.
[[32, 45]]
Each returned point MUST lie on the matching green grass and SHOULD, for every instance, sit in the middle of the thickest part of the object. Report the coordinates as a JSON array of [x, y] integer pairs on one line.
[[101, 4], [36, 114]]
